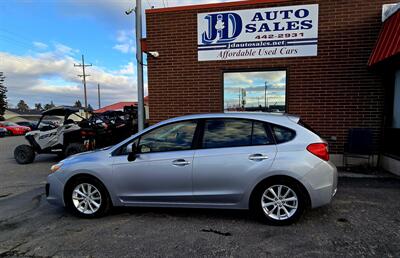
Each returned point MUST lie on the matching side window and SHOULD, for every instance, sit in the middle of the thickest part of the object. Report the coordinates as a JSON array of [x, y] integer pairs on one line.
[[282, 134], [219, 133], [260, 134], [171, 137]]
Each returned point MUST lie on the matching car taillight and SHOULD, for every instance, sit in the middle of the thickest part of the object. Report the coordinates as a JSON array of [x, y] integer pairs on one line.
[[319, 149]]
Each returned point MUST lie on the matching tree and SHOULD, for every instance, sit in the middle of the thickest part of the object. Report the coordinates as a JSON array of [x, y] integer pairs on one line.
[[38, 106], [78, 104], [3, 96], [22, 106], [48, 106]]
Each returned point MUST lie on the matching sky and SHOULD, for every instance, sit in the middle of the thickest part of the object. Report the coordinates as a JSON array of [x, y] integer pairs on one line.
[[41, 40]]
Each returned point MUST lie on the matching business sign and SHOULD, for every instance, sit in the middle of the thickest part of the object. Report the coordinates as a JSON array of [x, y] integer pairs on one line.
[[287, 31]]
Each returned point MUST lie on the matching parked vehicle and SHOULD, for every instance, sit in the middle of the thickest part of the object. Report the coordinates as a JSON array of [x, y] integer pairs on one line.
[[3, 132], [14, 129], [267, 163], [30, 124], [77, 134]]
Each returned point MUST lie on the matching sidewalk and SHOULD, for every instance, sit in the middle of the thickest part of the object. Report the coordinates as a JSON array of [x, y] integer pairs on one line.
[[365, 172]]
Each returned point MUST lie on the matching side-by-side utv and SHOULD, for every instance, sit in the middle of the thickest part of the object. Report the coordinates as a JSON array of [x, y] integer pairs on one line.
[[75, 134]]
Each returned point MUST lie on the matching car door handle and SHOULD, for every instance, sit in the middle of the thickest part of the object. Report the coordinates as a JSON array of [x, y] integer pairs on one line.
[[180, 162], [257, 156]]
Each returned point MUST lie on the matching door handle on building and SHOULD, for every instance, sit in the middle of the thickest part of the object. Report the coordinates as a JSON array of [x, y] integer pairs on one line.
[[180, 162]]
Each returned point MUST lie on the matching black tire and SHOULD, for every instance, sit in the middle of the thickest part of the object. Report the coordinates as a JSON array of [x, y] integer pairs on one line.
[[257, 197], [61, 155], [74, 148], [24, 154], [105, 201]]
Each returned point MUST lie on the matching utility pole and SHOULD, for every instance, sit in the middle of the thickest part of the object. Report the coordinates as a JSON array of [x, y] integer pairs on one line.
[[240, 101], [98, 94], [139, 60], [84, 75], [265, 97]]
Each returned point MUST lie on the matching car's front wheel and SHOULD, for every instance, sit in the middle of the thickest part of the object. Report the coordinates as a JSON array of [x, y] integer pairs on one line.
[[87, 197], [279, 202]]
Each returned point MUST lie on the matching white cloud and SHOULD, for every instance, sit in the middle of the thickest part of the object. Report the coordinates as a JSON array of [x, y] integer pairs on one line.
[[128, 69], [52, 76], [64, 50], [40, 45], [125, 41], [124, 48]]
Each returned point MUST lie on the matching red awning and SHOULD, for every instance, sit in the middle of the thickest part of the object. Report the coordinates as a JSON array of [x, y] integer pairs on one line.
[[388, 43]]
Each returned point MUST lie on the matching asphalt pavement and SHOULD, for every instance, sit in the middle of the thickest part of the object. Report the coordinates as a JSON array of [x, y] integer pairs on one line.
[[363, 220]]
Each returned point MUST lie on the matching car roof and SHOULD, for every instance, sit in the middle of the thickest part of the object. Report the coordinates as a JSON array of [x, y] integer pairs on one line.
[[277, 118]]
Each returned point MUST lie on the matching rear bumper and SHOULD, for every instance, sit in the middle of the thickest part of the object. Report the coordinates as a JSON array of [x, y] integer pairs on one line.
[[321, 184]]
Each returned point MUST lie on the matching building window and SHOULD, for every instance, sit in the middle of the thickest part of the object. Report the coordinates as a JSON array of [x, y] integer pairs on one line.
[[255, 91]]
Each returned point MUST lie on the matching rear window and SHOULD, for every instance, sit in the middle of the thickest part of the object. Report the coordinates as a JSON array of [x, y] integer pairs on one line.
[[282, 134]]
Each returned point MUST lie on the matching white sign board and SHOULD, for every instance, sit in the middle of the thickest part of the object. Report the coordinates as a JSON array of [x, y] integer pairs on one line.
[[287, 31]]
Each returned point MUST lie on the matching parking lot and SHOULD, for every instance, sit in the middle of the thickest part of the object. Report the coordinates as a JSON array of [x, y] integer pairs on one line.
[[363, 220]]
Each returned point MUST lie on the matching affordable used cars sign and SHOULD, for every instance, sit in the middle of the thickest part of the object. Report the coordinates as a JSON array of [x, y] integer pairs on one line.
[[258, 33]]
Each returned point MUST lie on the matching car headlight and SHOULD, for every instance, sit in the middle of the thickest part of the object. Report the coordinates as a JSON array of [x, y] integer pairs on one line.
[[56, 167]]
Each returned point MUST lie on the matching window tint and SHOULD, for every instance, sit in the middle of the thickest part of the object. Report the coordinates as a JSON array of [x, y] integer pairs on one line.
[[282, 134], [171, 137], [220, 133], [260, 135]]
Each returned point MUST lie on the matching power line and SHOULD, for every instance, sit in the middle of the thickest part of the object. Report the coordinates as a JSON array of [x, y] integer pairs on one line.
[[84, 75]]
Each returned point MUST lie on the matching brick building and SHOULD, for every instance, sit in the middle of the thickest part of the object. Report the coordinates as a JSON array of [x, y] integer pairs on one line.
[[329, 84]]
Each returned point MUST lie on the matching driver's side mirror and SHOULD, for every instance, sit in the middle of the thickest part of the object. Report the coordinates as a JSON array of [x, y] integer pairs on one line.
[[132, 151]]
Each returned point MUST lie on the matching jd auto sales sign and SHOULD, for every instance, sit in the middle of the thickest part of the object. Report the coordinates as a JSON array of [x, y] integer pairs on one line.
[[258, 33]]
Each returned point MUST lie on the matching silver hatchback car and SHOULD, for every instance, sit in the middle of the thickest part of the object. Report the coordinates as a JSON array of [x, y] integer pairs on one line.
[[267, 163]]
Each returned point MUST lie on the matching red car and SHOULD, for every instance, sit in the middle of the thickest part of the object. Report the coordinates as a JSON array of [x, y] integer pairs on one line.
[[14, 129]]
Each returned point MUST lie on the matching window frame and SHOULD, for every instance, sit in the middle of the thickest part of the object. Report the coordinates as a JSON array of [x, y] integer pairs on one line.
[[248, 70], [201, 125], [117, 151]]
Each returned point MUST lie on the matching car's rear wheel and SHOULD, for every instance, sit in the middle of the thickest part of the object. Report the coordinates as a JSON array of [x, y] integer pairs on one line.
[[24, 154], [279, 202], [87, 197]]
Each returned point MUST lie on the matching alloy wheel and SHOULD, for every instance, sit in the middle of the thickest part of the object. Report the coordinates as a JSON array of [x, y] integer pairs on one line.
[[86, 198], [279, 202]]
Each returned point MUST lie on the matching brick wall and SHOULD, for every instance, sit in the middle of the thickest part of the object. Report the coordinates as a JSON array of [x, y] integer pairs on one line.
[[332, 92]]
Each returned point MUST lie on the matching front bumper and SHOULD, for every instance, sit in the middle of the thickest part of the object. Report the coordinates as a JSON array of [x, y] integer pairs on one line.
[[55, 190]]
